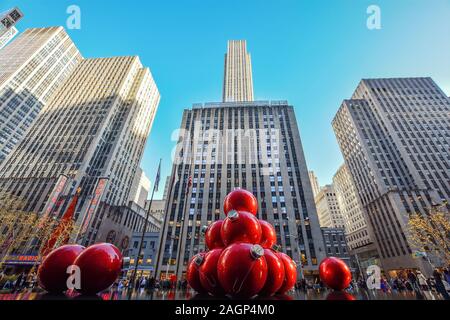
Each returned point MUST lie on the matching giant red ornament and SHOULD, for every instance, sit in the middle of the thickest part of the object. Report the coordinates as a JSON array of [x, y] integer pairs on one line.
[[240, 226], [275, 273], [100, 265], [242, 270], [52, 273], [213, 239], [208, 273], [290, 272], [192, 273], [268, 235], [240, 200], [335, 273]]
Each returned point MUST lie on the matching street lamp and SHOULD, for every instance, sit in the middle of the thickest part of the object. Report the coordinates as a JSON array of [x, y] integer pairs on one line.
[[299, 254]]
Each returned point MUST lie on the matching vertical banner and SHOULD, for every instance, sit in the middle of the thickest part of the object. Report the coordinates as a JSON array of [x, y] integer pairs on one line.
[[53, 199], [97, 196]]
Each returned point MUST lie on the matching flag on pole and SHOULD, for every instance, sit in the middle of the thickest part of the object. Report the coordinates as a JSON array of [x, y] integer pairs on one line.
[[158, 176]]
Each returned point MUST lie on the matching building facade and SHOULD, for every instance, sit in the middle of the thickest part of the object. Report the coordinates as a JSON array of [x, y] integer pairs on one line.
[[238, 79], [147, 260], [32, 68], [93, 130], [157, 208], [267, 159], [336, 244], [328, 210], [394, 136]]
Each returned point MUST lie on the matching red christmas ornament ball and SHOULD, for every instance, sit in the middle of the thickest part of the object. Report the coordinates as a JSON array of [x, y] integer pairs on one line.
[[275, 273], [240, 226], [335, 273], [290, 273], [240, 200], [100, 265], [213, 238], [242, 269], [52, 273], [208, 273], [192, 273], [268, 235]]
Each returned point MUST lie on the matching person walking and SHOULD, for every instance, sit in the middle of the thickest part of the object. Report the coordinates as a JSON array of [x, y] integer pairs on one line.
[[439, 285], [412, 278], [422, 281]]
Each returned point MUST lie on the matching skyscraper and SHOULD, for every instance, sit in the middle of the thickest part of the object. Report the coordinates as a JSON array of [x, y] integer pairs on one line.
[[314, 183], [330, 215], [253, 145], [394, 136], [92, 132], [357, 234], [238, 81], [32, 68]]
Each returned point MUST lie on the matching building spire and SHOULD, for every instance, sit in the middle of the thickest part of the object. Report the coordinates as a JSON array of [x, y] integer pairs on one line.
[[238, 81]]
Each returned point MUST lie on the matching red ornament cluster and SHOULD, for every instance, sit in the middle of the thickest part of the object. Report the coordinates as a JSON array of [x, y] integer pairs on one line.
[[240, 261], [99, 266]]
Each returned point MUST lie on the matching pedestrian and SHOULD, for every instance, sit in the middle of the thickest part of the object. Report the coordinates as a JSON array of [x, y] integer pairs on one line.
[[439, 285], [412, 278], [422, 281]]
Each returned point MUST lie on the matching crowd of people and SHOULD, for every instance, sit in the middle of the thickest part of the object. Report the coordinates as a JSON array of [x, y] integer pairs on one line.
[[406, 281]]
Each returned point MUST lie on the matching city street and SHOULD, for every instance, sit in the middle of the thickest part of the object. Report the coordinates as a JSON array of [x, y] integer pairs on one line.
[[190, 295]]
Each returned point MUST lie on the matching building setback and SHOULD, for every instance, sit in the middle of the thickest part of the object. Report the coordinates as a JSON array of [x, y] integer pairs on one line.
[[95, 126], [394, 135], [32, 68]]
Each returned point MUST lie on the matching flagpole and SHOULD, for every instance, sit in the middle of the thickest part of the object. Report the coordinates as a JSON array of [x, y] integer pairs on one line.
[[145, 224]]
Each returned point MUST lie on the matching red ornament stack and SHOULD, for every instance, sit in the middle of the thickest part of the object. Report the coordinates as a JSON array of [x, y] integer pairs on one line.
[[241, 262]]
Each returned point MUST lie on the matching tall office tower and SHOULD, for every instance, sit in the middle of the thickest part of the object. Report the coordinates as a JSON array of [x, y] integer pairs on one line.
[[328, 211], [32, 68], [92, 133], [314, 183], [251, 145], [394, 136], [357, 234], [238, 81]]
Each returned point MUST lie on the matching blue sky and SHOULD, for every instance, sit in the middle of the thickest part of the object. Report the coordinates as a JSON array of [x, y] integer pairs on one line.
[[311, 52]]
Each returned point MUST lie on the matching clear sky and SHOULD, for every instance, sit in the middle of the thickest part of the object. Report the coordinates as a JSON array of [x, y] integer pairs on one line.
[[312, 53]]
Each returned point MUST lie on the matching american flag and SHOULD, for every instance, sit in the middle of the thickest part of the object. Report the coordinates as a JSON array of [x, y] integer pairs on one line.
[[158, 176]]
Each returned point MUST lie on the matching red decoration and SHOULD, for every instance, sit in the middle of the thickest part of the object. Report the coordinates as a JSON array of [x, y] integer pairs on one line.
[[290, 272], [240, 200], [335, 273], [340, 295], [268, 235], [208, 273], [192, 273], [213, 239], [240, 226], [242, 270], [52, 273], [275, 273], [100, 265], [62, 230]]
